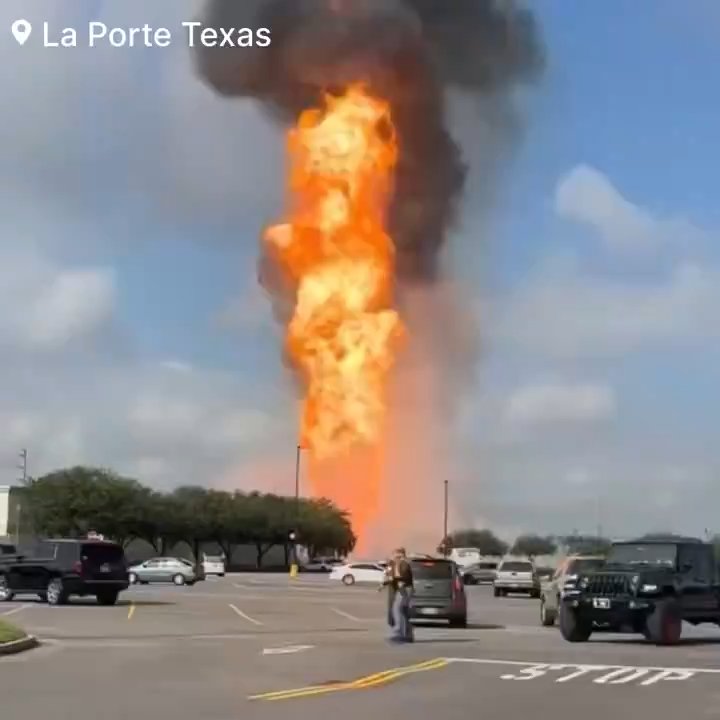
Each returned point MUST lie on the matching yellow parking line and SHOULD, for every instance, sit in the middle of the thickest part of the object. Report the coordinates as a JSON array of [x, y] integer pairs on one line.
[[131, 611], [389, 677], [373, 680]]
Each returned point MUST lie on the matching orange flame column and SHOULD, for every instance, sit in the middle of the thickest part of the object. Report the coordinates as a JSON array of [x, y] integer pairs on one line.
[[334, 247]]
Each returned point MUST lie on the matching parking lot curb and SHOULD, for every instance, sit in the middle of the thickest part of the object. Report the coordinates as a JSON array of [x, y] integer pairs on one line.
[[18, 646]]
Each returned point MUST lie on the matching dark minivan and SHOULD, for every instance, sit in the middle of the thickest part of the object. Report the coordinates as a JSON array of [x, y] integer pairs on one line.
[[439, 593], [58, 569]]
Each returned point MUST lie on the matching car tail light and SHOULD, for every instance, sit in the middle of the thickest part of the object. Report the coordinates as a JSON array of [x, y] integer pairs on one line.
[[457, 586], [77, 567]]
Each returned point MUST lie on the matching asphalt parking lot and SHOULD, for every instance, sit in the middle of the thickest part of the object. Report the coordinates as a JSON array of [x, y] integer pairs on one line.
[[253, 646]]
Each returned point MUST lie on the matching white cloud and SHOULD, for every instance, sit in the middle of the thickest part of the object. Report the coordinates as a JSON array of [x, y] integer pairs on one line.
[[84, 133], [586, 195], [578, 477], [567, 313], [552, 403], [76, 303], [45, 306], [144, 419], [185, 150]]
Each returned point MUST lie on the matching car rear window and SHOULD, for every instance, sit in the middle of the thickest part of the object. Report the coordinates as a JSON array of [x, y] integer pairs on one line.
[[516, 567], [98, 553], [487, 566], [578, 566], [432, 570]]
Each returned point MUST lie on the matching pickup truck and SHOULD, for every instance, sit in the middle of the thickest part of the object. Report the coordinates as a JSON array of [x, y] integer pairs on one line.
[[566, 575], [516, 576], [58, 569], [646, 586]]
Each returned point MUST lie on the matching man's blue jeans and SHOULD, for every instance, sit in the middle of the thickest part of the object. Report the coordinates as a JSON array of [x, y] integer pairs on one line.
[[402, 630]]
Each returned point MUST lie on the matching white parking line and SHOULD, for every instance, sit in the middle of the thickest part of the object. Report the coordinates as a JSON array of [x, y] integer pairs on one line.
[[14, 610], [239, 612], [345, 615]]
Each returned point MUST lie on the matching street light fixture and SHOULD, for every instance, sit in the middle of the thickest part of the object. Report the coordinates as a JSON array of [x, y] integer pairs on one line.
[[445, 519]]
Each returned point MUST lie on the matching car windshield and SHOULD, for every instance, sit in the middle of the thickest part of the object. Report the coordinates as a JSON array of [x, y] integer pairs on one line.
[[643, 554], [516, 567], [585, 564]]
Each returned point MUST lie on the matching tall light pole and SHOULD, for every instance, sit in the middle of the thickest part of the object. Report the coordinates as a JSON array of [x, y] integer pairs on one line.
[[445, 519], [294, 533]]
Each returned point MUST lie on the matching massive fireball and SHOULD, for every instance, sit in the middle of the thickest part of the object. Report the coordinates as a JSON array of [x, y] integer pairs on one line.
[[334, 248]]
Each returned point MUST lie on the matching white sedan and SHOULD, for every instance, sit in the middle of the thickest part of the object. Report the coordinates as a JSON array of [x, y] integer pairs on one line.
[[359, 573]]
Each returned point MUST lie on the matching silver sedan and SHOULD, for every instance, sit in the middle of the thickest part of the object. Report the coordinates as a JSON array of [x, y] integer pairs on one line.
[[164, 570]]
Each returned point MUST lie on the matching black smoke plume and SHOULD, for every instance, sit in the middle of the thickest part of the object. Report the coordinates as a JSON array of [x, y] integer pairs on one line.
[[407, 51]]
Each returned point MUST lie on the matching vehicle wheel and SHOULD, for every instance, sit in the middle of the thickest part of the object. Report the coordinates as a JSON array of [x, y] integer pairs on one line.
[[534, 594], [496, 592], [6, 594], [133, 578], [107, 597], [572, 628], [221, 574], [547, 616], [664, 626], [179, 579], [459, 622], [348, 580], [56, 594]]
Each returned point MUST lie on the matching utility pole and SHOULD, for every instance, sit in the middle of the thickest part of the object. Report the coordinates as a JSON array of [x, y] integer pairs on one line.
[[445, 520], [23, 465]]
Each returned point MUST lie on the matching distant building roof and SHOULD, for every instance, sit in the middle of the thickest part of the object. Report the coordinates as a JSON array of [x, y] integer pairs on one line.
[[661, 539]]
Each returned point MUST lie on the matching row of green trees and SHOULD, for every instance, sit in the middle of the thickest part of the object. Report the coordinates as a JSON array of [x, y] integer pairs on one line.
[[75, 501], [488, 543]]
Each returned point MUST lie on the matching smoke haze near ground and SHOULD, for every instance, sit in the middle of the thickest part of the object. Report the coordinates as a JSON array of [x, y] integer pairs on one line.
[[411, 52]]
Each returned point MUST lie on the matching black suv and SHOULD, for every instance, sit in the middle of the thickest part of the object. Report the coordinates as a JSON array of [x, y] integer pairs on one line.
[[647, 587], [57, 569]]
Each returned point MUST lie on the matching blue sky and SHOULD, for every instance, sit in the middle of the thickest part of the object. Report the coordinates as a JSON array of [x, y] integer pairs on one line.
[[134, 199]]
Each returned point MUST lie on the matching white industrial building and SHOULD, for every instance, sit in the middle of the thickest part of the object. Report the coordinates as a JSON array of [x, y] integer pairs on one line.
[[4, 509]]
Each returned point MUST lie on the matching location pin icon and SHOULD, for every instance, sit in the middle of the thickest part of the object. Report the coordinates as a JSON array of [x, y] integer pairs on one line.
[[21, 30]]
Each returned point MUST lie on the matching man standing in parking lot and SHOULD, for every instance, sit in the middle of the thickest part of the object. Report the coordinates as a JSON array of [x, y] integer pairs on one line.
[[387, 585], [401, 585]]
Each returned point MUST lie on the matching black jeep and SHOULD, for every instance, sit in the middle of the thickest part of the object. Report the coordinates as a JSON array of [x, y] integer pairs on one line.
[[647, 587]]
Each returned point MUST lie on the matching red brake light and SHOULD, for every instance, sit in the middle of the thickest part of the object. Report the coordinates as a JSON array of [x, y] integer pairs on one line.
[[77, 567], [457, 585]]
